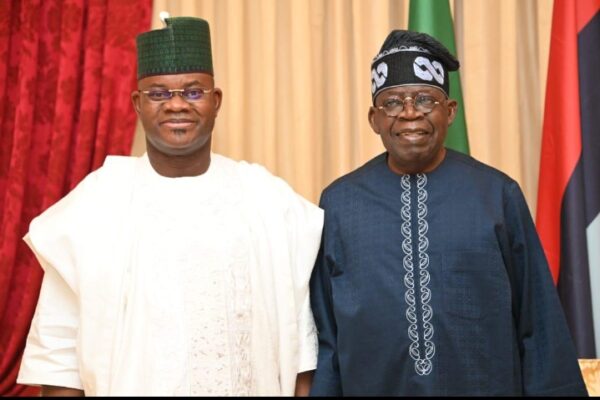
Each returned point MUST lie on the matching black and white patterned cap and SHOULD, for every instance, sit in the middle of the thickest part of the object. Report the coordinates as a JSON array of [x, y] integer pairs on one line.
[[411, 58]]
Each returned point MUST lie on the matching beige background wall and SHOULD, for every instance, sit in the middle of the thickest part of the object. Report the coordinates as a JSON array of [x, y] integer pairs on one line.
[[296, 81]]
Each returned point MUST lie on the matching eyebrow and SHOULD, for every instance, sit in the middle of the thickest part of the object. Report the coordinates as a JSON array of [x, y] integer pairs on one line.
[[185, 86], [411, 94]]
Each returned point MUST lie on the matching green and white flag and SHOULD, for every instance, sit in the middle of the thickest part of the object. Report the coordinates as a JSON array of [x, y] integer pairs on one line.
[[434, 18]]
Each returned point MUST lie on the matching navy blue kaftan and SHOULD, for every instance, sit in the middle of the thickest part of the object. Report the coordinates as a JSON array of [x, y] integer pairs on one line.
[[436, 284]]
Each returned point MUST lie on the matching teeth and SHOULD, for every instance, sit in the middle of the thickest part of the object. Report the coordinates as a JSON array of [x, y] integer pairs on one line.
[[420, 133]]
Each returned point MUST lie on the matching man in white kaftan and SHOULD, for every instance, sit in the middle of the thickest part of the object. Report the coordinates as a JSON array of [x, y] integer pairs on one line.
[[157, 285], [181, 272]]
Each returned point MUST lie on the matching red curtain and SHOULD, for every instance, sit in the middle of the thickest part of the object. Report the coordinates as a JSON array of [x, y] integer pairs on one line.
[[67, 68]]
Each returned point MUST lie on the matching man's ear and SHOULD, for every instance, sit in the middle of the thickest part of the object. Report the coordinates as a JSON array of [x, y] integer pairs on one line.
[[372, 122], [135, 99], [218, 98], [452, 109]]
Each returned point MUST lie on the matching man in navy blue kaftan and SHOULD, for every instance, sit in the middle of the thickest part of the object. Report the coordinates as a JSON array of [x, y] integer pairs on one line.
[[431, 279]]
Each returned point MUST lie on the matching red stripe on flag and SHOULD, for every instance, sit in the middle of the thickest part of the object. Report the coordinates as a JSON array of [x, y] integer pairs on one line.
[[585, 11], [561, 140]]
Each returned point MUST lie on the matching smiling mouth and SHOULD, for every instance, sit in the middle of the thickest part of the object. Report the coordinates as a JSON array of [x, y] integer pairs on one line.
[[179, 123], [411, 134]]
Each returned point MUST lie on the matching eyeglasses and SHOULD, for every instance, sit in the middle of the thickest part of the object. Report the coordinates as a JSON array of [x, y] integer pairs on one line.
[[393, 106], [191, 95]]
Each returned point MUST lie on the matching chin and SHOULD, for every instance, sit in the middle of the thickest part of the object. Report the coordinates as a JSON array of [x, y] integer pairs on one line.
[[183, 146]]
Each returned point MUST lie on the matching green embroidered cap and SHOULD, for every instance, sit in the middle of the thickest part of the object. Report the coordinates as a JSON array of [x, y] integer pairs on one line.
[[183, 46]]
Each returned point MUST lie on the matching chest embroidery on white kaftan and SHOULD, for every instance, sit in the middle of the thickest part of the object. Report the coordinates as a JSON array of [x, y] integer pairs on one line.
[[422, 351], [198, 254]]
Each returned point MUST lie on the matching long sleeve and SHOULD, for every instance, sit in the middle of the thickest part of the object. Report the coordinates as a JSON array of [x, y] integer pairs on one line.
[[286, 233], [548, 357], [50, 356], [305, 224], [326, 381]]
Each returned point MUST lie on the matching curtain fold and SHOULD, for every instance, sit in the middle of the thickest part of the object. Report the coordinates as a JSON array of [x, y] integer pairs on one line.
[[67, 68]]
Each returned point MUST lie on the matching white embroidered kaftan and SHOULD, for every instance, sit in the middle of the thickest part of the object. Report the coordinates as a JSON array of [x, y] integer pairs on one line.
[[174, 286]]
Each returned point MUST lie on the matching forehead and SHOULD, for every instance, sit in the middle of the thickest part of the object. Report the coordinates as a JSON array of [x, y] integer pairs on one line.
[[410, 90], [177, 81]]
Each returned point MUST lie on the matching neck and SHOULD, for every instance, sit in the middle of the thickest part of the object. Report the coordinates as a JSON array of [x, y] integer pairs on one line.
[[415, 168], [175, 166]]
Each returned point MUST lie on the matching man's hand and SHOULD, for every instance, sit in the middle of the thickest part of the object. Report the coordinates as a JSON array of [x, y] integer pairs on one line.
[[303, 383], [57, 391]]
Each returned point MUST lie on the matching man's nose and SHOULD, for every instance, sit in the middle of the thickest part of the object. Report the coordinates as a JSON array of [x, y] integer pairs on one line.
[[177, 102], [409, 111]]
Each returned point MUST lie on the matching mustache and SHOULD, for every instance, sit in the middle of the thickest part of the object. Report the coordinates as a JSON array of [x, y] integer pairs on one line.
[[429, 128]]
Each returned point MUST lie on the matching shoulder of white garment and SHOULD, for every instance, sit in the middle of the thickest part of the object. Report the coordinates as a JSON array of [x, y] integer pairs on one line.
[[259, 179], [112, 168]]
